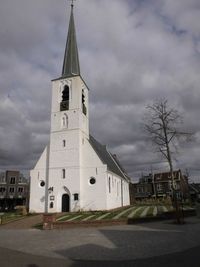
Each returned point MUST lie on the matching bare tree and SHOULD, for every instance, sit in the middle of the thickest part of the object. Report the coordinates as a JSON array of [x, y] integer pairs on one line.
[[162, 124]]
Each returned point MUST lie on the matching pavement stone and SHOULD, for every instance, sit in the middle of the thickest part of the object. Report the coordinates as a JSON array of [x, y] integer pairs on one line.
[[123, 242]]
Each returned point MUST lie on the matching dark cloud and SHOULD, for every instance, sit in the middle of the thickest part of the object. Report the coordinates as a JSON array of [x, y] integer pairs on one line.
[[131, 53]]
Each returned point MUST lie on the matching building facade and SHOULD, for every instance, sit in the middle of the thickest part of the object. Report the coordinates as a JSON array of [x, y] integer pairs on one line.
[[75, 172], [163, 184], [144, 188], [14, 190], [159, 185]]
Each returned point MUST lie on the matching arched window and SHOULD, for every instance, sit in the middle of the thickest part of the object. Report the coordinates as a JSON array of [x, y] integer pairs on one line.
[[51, 205], [64, 105], [65, 121], [109, 185], [65, 93], [84, 109], [64, 143], [63, 173]]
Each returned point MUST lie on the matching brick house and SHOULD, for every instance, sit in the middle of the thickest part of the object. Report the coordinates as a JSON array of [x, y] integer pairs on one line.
[[159, 185], [163, 184], [14, 190]]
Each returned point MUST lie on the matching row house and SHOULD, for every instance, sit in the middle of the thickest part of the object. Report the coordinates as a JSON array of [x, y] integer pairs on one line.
[[161, 185], [194, 189], [14, 190], [164, 184]]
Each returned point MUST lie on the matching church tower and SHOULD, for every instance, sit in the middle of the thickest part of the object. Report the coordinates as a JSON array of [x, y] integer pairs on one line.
[[75, 171], [69, 125]]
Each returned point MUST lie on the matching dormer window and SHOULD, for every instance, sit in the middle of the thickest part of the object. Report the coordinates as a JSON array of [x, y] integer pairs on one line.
[[64, 105]]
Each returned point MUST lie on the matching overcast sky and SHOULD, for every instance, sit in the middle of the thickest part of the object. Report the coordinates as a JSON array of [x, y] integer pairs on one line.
[[132, 52]]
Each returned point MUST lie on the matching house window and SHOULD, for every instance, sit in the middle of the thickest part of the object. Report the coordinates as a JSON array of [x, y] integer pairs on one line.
[[76, 196], [11, 189], [2, 179], [2, 189], [159, 187], [63, 173], [117, 189], [20, 189], [12, 180]]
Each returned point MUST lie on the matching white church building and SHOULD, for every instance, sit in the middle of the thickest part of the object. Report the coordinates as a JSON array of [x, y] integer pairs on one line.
[[75, 172]]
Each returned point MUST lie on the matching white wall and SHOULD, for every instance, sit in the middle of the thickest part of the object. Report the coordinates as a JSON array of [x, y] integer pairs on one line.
[[37, 193], [93, 197], [117, 191]]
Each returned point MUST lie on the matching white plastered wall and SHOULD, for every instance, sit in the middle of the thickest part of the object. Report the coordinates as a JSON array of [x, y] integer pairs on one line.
[[93, 197], [117, 191], [37, 192]]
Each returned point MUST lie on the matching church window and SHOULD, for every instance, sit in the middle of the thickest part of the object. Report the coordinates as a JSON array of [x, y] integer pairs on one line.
[[109, 185], [42, 183], [51, 205], [65, 121], [84, 109], [76, 197], [92, 180], [64, 105], [64, 143], [63, 173]]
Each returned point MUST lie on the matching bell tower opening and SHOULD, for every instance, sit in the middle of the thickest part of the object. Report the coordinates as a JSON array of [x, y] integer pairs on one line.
[[84, 109], [64, 105]]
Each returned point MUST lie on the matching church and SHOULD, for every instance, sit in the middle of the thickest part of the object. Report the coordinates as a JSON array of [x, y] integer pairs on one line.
[[75, 172]]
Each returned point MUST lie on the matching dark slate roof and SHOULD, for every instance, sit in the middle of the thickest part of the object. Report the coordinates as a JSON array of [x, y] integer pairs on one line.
[[107, 158], [71, 60]]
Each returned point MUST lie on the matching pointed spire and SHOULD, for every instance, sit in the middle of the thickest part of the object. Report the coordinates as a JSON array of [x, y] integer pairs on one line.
[[71, 60]]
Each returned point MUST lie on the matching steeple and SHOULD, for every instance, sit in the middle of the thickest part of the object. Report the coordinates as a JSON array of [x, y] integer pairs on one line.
[[71, 60]]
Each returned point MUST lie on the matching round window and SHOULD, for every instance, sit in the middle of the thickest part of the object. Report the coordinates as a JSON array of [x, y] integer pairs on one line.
[[92, 180], [42, 183]]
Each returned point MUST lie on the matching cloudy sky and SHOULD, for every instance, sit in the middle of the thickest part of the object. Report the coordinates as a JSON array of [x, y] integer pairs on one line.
[[132, 52]]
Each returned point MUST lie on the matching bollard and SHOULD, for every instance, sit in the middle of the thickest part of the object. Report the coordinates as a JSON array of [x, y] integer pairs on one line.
[[48, 220]]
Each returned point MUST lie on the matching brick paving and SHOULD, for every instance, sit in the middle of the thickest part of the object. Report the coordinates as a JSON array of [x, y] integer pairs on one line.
[[25, 223]]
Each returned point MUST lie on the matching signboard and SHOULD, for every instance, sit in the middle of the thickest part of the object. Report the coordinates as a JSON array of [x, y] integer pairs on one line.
[[52, 198]]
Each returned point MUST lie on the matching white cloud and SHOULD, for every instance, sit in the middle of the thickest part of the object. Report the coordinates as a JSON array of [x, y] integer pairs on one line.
[[131, 52]]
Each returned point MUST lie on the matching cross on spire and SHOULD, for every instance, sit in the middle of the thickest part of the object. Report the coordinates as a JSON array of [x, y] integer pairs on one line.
[[72, 3]]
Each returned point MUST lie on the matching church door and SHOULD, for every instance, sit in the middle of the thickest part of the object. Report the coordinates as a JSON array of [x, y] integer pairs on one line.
[[65, 203]]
